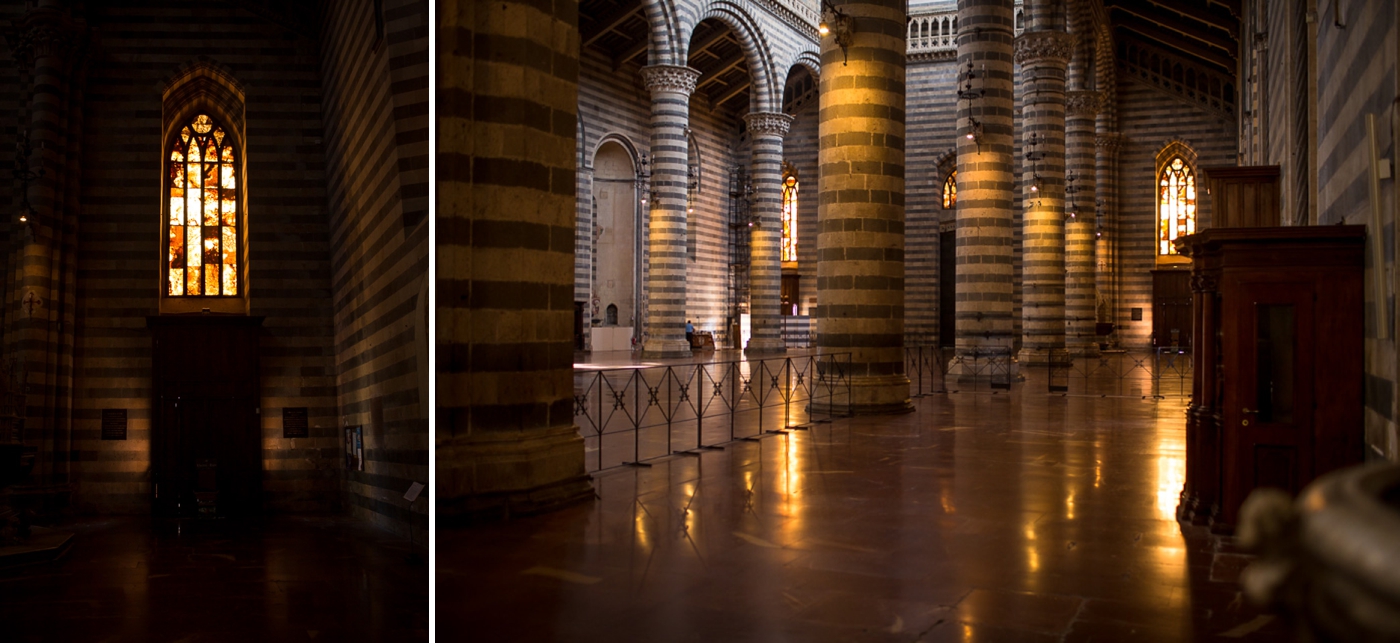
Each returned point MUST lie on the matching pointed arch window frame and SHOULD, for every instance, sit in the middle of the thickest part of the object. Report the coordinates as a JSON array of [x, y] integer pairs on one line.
[[205, 87], [950, 190], [791, 188], [1177, 203]]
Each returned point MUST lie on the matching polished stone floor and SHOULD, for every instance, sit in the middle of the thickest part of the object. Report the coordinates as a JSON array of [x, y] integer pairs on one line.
[[1015, 516], [278, 579]]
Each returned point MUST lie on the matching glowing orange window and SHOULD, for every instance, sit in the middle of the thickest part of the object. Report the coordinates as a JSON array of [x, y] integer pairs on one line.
[[203, 223]]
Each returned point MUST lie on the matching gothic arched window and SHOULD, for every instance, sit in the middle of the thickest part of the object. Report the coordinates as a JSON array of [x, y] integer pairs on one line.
[[202, 180], [1176, 204], [950, 191], [789, 252]]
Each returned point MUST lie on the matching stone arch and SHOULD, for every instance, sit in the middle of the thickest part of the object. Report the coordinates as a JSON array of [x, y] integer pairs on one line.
[[664, 46], [619, 138], [792, 71], [812, 60], [763, 97]]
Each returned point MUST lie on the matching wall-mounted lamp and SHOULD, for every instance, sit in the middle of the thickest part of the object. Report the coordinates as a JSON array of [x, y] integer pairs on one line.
[[23, 152], [644, 178], [967, 92], [836, 23], [1033, 154], [1071, 211]]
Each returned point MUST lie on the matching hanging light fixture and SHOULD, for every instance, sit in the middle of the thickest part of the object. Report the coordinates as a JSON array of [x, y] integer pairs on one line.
[[836, 23]]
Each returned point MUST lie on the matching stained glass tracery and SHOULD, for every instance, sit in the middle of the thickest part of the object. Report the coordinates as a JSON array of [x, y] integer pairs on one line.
[[1176, 205], [789, 248], [950, 191], [203, 223]]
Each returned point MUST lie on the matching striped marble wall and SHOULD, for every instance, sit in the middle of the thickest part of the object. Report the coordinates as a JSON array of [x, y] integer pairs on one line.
[[289, 278], [1148, 118], [1356, 76], [376, 119]]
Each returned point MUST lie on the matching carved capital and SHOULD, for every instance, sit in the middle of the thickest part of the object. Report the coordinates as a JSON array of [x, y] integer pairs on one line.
[[1083, 103], [768, 123], [1110, 141], [43, 32], [1044, 47], [670, 78]]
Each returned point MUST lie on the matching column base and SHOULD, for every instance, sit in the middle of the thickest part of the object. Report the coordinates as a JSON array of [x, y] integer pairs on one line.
[[1090, 350], [1037, 356], [665, 349], [978, 367], [765, 347], [495, 475], [877, 395]]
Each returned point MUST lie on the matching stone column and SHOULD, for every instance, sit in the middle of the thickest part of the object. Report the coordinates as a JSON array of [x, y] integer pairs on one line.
[[1106, 145], [506, 439], [1081, 294], [49, 45], [671, 87], [985, 182], [860, 212], [766, 130], [1043, 57]]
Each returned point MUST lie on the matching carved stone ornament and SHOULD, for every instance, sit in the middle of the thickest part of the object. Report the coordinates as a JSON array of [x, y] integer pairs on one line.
[[42, 32], [1111, 141], [670, 78], [1044, 46], [1082, 103], [770, 123]]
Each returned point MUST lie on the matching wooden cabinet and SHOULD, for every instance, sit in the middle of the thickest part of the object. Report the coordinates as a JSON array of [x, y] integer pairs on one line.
[[1276, 398], [1243, 196], [206, 433]]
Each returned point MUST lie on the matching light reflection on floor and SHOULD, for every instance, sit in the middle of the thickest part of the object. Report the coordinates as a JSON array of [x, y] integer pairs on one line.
[[979, 517]]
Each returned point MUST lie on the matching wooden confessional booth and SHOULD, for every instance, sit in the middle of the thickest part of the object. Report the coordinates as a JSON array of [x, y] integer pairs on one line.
[[206, 433], [1277, 316]]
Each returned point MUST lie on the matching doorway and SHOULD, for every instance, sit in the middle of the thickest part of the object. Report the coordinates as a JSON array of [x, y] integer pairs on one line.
[[206, 437]]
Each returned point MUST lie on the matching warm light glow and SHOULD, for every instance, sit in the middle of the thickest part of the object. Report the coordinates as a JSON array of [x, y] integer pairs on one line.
[[203, 218], [970, 136], [789, 247], [1176, 205], [950, 189], [823, 28]]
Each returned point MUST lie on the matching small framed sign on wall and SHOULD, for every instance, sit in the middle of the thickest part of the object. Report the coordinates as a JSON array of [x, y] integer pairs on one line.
[[354, 448]]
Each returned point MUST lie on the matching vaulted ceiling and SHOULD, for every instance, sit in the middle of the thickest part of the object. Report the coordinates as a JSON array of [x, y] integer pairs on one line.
[[1205, 30]]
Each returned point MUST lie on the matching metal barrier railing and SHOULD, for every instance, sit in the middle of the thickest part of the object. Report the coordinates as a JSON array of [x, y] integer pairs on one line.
[[631, 415], [1159, 374], [932, 369]]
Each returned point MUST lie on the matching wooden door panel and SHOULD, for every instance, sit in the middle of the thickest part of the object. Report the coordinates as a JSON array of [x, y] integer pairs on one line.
[[1268, 408]]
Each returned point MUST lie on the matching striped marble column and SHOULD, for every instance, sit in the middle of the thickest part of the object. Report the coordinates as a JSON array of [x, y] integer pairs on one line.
[[766, 130], [1081, 293], [506, 439], [1043, 57], [1106, 246], [671, 87], [860, 211], [985, 182], [48, 43]]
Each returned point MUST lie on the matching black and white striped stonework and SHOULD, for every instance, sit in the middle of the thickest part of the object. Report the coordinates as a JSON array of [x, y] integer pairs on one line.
[[671, 87], [1080, 333], [1043, 57], [860, 269], [506, 439], [985, 180], [376, 101], [766, 132], [51, 45]]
